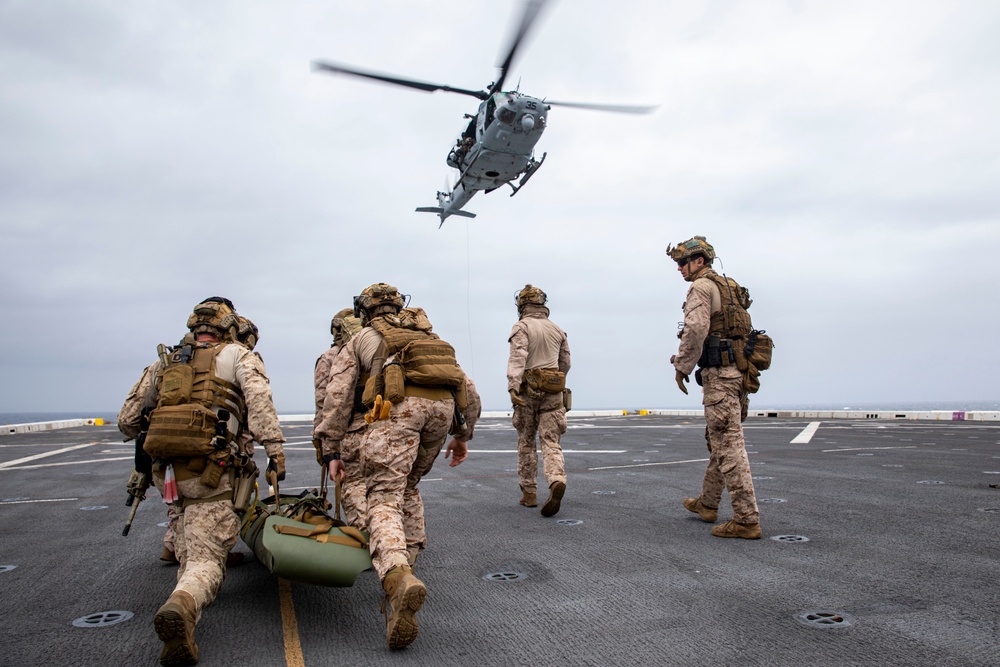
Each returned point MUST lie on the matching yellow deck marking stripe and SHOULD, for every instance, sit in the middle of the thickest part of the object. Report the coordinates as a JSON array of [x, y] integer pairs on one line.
[[290, 626]]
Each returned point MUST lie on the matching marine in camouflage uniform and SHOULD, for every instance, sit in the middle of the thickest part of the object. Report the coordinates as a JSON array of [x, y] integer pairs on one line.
[[352, 490], [247, 334], [397, 450], [537, 343], [208, 525], [723, 397]]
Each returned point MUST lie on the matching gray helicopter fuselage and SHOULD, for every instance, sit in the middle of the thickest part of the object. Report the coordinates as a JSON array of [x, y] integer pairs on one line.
[[496, 148], [507, 127]]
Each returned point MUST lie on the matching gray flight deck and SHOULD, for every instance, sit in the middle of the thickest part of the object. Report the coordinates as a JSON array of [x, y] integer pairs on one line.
[[880, 548]]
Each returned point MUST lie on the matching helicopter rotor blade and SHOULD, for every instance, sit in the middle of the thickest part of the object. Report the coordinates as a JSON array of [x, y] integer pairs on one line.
[[615, 108], [399, 81], [532, 8]]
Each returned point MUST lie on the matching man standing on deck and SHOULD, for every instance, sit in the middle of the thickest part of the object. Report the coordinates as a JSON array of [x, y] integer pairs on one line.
[[536, 380], [715, 324]]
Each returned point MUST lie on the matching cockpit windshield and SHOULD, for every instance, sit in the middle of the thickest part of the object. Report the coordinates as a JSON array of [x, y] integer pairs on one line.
[[500, 101]]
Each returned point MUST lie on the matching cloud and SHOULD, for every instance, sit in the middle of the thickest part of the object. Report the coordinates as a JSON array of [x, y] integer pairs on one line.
[[841, 158]]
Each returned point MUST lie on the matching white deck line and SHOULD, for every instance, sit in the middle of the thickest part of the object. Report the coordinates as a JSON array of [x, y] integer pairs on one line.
[[35, 457], [806, 435]]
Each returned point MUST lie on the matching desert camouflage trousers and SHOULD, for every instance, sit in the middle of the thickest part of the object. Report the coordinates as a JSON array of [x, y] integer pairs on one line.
[[352, 489], [203, 534], [728, 465], [545, 417], [173, 515], [395, 454]]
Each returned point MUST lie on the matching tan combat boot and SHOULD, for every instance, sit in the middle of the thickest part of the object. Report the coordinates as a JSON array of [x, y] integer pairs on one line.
[[709, 514], [168, 556], [174, 624], [528, 498], [551, 506], [405, 595], [733, 529]]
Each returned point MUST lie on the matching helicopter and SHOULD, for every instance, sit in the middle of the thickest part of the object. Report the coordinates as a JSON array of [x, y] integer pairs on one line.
[[497, 145]]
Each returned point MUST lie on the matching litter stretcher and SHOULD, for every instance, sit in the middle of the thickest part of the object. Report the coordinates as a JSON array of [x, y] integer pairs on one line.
[[296, 538]]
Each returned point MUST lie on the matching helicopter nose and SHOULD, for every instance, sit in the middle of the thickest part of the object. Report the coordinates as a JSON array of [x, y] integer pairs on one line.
[[528, 122]]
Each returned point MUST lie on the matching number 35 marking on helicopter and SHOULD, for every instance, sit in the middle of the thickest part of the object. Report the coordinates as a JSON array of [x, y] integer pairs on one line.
[[497, 146]]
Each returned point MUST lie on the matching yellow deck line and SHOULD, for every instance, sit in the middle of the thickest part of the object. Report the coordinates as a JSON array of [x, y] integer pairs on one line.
[[290, 626]]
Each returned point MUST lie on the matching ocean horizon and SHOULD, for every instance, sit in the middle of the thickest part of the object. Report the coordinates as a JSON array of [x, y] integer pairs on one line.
[[28, 417]]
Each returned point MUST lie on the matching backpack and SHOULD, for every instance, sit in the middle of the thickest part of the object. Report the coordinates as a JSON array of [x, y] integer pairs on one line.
[[751, 348]]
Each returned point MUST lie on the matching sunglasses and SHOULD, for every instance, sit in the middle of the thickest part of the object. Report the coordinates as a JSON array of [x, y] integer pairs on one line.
[[683, 262]]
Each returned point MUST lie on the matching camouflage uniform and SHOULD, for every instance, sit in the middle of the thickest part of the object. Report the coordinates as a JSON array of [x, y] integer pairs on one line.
[[321, 375], [725, 407], [537, 342], [207, 531], [395, 453], [352, 490]]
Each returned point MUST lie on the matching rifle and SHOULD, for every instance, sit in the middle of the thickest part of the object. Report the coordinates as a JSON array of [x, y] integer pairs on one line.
[[138, 481]]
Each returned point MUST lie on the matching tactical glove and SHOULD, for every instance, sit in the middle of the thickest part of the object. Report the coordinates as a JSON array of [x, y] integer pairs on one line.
[[382, 409], [681, 379], [515, 397], [276, 464]]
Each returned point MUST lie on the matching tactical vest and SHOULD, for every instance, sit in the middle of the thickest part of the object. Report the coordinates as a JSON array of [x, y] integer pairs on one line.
[[422, 364], [732, 321], [732, 340], [190, 418]]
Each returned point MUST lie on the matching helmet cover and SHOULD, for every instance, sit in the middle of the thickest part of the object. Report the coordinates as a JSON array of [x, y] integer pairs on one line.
[[530, 295], [215, 315], [247, 332], [694, 246], [379, 294], [344, 325]]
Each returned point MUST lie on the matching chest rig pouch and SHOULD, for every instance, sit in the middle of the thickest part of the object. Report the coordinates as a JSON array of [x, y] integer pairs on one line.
[[184, 423]]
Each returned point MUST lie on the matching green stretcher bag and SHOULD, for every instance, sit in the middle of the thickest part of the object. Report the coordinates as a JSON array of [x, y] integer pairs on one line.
[[298, 540]]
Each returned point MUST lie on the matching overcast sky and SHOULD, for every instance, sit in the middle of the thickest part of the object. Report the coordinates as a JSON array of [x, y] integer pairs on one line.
[[842, 157]]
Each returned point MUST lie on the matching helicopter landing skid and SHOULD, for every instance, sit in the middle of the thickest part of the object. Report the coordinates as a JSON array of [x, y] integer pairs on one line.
[[528, 173]]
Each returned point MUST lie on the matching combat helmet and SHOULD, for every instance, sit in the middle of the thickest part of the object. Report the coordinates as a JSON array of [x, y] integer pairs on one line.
[[344, 325], [247, 332], [376, 299], [215, 315], [530, 296], [694, 246]]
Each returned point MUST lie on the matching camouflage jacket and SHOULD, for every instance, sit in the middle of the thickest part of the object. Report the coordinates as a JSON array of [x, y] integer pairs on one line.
[[321, 376], [702, 300], [536, 342]]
